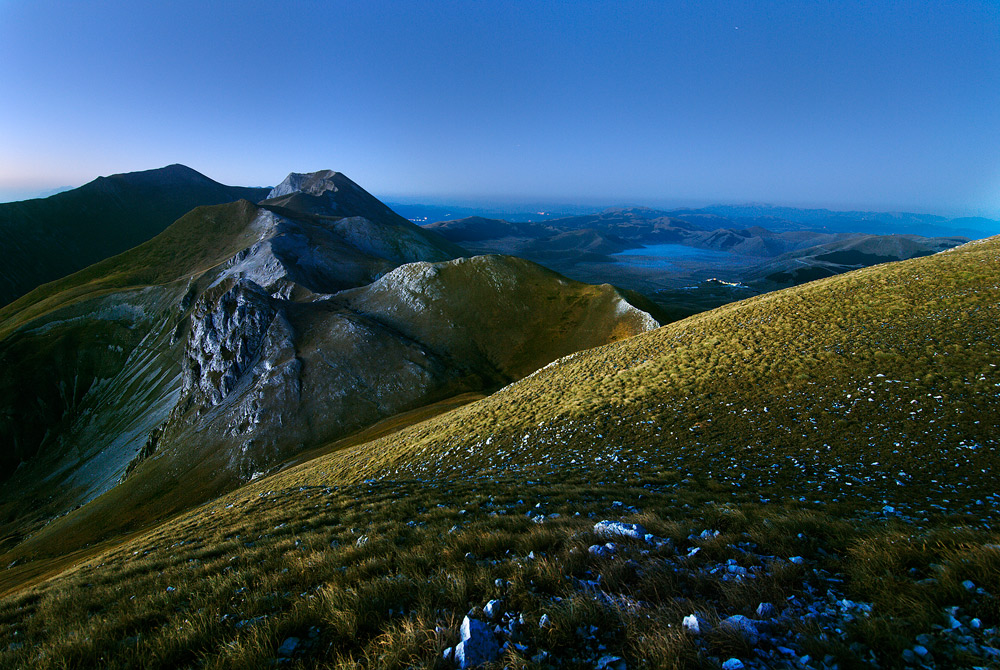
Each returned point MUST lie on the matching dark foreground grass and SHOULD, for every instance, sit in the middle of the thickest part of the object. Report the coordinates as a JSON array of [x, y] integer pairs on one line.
[[381, 575]]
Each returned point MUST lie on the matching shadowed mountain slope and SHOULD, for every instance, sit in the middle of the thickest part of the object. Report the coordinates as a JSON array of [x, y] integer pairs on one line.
[[845, 253], [477, 228], [48, 238]]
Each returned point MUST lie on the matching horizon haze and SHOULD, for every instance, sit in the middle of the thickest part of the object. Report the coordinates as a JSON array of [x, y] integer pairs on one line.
[[880, 106]]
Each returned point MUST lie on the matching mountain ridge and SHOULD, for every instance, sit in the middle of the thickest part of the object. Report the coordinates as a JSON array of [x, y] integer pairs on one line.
[[240, 336], [47, 238]]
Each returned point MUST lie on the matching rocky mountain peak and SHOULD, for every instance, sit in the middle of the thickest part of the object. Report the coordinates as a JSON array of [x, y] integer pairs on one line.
[[312, 183], [327, 193]]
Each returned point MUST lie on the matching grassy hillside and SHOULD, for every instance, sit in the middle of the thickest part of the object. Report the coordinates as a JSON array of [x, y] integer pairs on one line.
[[829, 449], [881, 380], [510, 314], [380, 575], [197, 241]]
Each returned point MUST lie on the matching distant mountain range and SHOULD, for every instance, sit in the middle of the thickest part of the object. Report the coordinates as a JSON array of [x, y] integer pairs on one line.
[[608, 246], [880, 223], [302, 430], [48, 238], [772, 217], [245, 333]]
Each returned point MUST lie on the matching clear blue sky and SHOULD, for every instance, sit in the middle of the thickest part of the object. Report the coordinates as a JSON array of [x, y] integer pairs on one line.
[[882, 105]]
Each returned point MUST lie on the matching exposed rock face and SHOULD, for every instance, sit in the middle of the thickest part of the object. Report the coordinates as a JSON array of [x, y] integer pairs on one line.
[[312, 183], [240, 370], [226, 337]]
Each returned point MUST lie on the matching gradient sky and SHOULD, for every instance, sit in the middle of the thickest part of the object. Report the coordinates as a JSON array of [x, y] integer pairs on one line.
[[878, 105]]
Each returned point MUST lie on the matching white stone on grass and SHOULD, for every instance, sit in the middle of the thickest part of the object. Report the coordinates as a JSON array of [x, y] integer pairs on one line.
[[478, 645], [696, 624], [492, 608], [615, 529]]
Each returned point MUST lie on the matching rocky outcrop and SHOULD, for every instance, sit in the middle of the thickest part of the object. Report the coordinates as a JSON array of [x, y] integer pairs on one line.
[[226, 337], [241, 376]]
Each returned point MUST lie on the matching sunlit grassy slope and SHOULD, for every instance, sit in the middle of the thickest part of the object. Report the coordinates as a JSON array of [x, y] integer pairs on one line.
[[884, 381], [850, 425]]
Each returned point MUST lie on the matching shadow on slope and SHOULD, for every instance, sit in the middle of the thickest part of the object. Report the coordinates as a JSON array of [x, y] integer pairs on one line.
[[51, 237]]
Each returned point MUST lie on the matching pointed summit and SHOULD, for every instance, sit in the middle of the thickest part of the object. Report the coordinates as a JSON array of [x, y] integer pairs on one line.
[[312, 183], [333, 203], [327, 193]]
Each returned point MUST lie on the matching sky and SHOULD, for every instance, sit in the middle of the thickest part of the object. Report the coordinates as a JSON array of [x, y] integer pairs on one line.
[[850, 105]]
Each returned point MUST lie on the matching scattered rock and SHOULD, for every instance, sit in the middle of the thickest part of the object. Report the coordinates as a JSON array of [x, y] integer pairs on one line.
[[610, 663], [288, 647], [766, 611], [616, 529], [492, 608], [733, 664], [741, 625], [602, 550], [478, 644]]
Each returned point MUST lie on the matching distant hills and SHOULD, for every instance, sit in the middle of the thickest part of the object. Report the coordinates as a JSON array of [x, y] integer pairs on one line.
[[608, 246], [47, 238], [880, 223]]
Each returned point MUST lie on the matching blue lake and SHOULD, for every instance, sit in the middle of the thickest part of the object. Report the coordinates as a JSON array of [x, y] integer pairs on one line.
[[661, 255]]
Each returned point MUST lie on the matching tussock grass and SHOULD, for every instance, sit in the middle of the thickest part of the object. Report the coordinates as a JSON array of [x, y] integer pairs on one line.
[[380, 575]]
